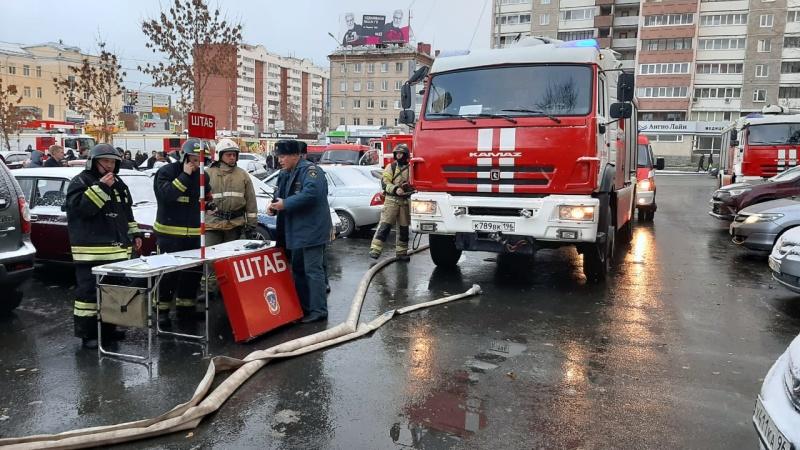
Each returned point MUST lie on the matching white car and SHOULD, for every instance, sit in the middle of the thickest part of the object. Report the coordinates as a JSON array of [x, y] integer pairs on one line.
[[777, 410], [784, 261]]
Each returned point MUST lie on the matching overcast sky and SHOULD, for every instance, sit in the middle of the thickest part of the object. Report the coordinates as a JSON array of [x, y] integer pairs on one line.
[[295, 27]]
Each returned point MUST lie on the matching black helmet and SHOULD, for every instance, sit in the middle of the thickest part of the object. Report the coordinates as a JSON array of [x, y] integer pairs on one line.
[[103, 151], [192, 147], [401, 148]]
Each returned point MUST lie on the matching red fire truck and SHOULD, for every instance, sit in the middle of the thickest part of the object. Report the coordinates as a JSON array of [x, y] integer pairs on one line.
[[523, 148], [41, 134], [760, 145]]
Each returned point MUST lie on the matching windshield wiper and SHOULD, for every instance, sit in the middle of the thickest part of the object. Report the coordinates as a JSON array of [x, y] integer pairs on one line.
[[472, 121], [502, 116], [142, 202], [534, 111]]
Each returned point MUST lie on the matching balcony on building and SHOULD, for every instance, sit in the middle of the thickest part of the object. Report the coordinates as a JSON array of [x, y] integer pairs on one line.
[[627, 63], [626, 21], [603, 2], [603, 21], [620, 43], [604, 42]]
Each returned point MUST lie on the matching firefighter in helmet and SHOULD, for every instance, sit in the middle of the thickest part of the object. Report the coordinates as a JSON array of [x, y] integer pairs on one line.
[[397, 190], [177, 227], [236, 210], [101, 230]]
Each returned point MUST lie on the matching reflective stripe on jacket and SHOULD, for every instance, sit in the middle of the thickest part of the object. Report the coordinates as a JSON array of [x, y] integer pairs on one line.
[[178, 198]]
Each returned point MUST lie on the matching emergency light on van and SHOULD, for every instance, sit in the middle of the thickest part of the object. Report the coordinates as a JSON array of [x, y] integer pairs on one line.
[[580, 43]]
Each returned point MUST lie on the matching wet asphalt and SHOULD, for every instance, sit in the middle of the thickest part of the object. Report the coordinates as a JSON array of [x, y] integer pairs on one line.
[[668, 354]]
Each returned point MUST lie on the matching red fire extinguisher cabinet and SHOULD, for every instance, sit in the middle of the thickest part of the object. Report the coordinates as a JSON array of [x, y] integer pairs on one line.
[[258, 292]]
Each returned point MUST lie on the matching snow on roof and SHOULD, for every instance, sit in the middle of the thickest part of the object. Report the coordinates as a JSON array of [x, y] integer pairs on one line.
[[12, 48], [57, 45], [543, 53], [771, 118]]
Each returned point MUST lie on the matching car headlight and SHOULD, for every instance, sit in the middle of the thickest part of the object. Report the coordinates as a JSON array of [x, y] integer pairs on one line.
[[737, 192], [427, 207], [762, 217], [721, 194], [576, 213], [791, 381], [645, 185]]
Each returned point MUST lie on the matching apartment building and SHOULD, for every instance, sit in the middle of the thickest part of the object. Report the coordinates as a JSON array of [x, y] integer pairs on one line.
[[699, 63], [31, 68], [366, 82], [614, 23], [265, 93]]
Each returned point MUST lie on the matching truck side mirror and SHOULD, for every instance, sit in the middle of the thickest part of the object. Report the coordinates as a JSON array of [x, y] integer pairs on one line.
[[659, 163], [621, 110], [407, 116], [405, 96], [418, 75], [625, 87]]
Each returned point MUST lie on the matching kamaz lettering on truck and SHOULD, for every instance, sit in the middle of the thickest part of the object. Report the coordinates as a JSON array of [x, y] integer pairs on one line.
[[523, 148], [760, 145]]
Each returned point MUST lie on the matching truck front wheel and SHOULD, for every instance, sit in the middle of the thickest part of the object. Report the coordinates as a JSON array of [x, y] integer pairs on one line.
[[443, 250], [597, 257]]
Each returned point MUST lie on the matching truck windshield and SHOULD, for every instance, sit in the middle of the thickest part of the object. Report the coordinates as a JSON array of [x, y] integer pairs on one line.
[[533, 90], [79, 143], [644, 157], [774, 134], [340, 157]]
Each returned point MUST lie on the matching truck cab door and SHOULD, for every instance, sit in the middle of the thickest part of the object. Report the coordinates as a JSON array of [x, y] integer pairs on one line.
[[606, 133]]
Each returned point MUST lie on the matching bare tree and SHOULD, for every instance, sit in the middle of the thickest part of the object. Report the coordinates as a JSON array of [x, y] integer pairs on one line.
[[92, 88], [559, 96], [12, 117], [198, 46], [293, 120]]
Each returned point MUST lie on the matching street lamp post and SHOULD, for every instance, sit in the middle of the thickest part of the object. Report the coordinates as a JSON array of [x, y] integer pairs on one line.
[[346, 87]]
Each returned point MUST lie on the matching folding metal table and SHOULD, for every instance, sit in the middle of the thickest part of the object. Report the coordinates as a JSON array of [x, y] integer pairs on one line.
[[140, 269]]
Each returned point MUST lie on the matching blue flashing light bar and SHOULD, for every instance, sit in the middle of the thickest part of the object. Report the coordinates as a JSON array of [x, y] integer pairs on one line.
[[580, 43]]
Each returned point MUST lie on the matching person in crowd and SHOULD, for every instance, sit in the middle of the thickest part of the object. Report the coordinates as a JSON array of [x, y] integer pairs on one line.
[[177, 227], [151, 161], [127, 162], [29, 149], [101, 230], [234, 197], [36, 159], [57, 156], [303, 216], [396, 207], [71, 155]]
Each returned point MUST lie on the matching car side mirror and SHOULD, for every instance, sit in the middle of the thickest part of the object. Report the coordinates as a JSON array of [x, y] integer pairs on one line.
[[625, 87], [621, 110], [659, 163], [405, 96], [407, 116]]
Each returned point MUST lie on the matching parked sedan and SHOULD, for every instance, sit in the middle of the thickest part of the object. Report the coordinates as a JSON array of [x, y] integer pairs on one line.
[[776, 415], [784, 260], [353, 193], [728, 200], [758, 226], [15, 160], [46, 190]]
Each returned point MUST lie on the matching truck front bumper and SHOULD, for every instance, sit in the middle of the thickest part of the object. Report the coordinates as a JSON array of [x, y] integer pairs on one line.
[[490, 217]]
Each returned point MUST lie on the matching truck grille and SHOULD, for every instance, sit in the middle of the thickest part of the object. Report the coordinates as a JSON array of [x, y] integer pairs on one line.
[[492, 211], [492, 178]]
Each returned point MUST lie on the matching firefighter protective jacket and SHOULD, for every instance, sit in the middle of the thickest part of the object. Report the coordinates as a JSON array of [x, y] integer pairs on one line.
[[99, 219], [395, 176], [234, 198], [178, 198]]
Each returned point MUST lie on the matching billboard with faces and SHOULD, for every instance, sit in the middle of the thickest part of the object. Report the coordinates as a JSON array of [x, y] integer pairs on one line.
[[375, 29]]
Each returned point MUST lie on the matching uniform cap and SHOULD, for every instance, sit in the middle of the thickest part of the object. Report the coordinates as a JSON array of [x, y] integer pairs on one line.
[[287, 147]]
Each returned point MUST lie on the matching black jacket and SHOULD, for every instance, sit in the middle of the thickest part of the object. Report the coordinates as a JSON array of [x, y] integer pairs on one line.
[[51, 162], [99, 219], [178, 197]]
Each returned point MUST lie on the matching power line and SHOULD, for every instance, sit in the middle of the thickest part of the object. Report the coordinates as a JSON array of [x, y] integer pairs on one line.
[[478, 23]]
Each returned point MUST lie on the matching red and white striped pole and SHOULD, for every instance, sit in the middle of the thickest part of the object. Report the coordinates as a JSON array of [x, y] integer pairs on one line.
[[202, 201]]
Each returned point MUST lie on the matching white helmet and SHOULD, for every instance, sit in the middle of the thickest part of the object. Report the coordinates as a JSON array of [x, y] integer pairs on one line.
[[226, 145]]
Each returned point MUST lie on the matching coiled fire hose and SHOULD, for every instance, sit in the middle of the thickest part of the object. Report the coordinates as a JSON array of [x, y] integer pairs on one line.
[[188, 415]]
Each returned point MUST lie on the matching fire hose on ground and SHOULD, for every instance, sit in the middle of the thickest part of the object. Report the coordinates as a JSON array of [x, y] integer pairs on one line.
[[188, 415]]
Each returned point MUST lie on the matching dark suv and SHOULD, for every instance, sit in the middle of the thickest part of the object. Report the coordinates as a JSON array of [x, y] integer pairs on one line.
[[16, 250], [728, 200]]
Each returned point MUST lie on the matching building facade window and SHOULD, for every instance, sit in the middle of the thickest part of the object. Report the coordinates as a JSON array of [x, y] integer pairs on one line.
[[357, 67], [662, 92], [717, 20], [664, 68], [544, 19], [665, 137], [356, 103], [26, 70], [759, 95], [398, 67], [790, 67], [342, 120], [384, 104], [398, 84], [39, 71], [764, 45], [711, 116], [762, 70], [26, 91], [577, 14], [717, 92], [384, 67], [356, 121], [766, 20], [657, 45], [793, 16], [342, 104], [575, 35], [342, 86], [721, 44], [370, 67], [51, 111], [370, 104], [356, 86], [397, 104], [791, 42], [663, 20], [370, 121], [38, 92], [789, 92], [12, 69], [370, 85], [383, 122], [719, 68]]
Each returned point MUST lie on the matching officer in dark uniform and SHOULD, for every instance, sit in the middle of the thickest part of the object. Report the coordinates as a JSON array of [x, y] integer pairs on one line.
[[301, 203], [177, 227], [101, 230]]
